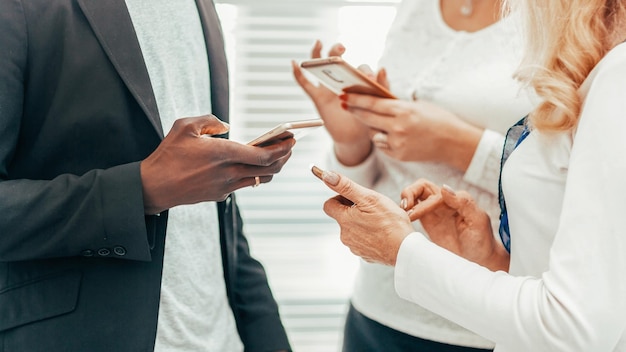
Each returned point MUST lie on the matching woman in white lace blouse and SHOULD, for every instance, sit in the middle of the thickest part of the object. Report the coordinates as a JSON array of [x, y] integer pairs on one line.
[[456, 58], [562, 286]]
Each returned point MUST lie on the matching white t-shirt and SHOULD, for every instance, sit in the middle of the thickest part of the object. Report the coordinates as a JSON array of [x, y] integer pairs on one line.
[[469, 74], [566, 287], [194, 314]]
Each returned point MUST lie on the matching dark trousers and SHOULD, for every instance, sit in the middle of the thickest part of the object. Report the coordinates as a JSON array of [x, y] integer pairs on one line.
[[362, 334]]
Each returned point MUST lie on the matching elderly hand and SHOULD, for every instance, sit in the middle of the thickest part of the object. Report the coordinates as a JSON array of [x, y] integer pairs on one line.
[[416, 130], [351, 137], [372, 225], [190, 166], [453, 221]]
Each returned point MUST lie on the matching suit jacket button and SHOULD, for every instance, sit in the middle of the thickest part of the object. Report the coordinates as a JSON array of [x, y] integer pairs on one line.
[[87, 253], [103, 252], [119, 250]]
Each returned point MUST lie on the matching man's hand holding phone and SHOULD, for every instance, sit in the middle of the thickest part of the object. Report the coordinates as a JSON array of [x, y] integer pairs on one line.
[[188, 167]]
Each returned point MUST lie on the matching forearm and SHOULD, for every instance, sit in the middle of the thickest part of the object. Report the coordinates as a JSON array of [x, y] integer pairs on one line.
[[73, 216], [352, 154], [456, 289], [459, 145], [559, 308]]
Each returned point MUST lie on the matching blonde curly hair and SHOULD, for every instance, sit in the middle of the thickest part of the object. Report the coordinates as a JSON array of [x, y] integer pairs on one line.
[[565, 39]]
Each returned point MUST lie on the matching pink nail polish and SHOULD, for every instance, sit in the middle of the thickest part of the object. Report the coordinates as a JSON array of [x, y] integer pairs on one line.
[[449, 189], [330, 177]]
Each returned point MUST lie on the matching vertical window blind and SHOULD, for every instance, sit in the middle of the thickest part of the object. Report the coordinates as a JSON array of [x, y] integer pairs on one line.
[[310, 271]]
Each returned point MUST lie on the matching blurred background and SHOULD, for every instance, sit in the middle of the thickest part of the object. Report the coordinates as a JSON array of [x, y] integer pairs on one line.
[[310, 271]]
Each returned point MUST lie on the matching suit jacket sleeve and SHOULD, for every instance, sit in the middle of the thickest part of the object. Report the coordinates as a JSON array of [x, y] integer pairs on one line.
[[64, 214]]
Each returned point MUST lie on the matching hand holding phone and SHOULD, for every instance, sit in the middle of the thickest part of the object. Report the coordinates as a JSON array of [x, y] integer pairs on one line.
[[286, 130], [340, 77]]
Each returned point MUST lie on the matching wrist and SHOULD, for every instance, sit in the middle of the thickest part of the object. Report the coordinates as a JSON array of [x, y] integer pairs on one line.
[[500, 259], [395, 247], [462, 146], [151, 204], [352, 154]]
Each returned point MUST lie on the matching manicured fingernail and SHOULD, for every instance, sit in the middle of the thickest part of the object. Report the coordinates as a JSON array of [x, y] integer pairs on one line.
[[409, 212], [403, 203], [330, 177], [343, 97], [449, 189], [317, 171], [344, 105]]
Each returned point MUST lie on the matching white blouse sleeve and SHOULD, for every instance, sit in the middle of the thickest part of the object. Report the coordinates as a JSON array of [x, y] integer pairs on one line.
[[579, 303], [484, 169]]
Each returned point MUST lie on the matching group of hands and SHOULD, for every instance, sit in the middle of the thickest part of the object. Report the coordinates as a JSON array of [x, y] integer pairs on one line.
[[187, 168]]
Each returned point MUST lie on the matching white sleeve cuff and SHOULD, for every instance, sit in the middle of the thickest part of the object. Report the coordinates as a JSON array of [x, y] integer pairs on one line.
[[404, 261], [461, 291], [484, 169]]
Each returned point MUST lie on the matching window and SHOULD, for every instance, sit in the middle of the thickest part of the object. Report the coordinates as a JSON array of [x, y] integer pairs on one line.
[[310, 271]]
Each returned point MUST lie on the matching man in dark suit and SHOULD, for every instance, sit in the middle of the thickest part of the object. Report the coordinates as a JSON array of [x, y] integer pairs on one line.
[[93, 161]]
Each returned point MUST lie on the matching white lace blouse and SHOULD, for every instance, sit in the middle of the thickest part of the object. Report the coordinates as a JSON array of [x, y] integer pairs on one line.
[[469, 74]]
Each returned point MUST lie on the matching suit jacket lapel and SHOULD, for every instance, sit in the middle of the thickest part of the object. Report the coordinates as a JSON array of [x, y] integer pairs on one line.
[[217, 58], [113, 27]]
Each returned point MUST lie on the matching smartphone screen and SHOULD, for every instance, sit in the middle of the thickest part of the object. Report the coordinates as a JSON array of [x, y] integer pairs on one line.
[[339, 76], [286, 130]]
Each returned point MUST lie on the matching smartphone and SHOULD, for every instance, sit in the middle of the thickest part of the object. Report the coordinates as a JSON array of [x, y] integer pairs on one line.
[[339, 76], [286, 130]]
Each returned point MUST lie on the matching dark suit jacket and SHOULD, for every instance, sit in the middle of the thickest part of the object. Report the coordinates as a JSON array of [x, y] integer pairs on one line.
[[80, 264]]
